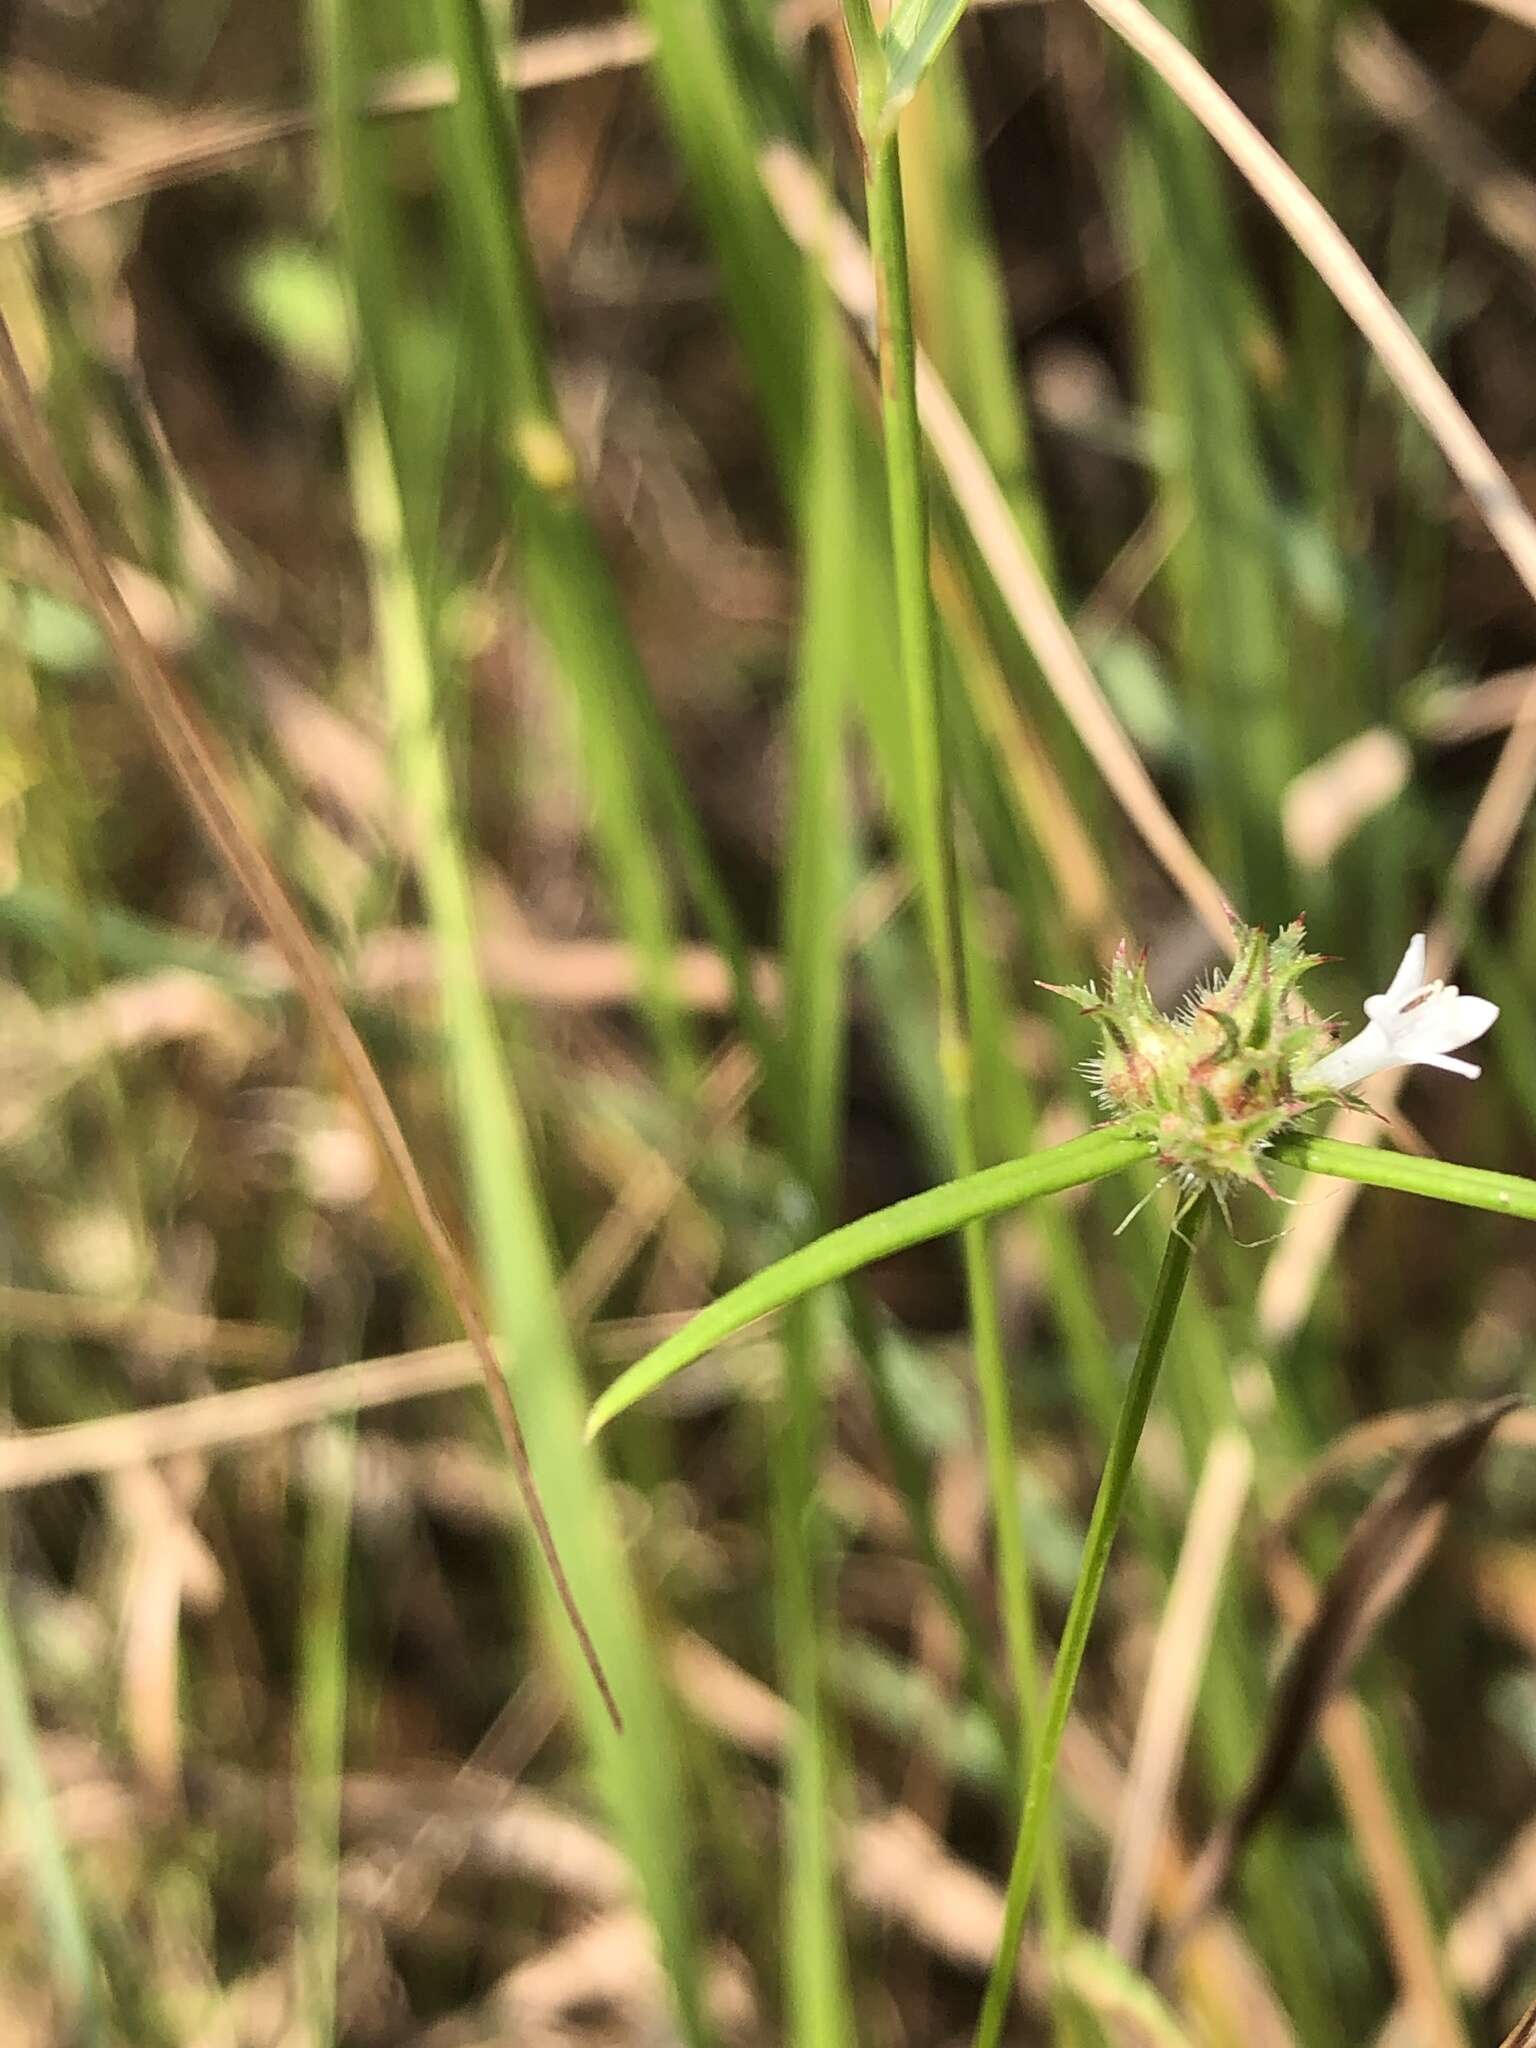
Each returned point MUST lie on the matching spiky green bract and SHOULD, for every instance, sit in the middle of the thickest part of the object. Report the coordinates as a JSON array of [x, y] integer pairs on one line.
[[1214, 1084]]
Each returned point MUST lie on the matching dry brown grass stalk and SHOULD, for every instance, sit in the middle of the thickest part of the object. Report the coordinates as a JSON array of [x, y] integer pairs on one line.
[[177, 149], [1319, 238]]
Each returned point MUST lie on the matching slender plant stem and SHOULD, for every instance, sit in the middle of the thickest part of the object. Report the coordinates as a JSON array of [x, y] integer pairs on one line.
[[1441, 1180], [932, 825], [818, 2011], [1085, 1600]]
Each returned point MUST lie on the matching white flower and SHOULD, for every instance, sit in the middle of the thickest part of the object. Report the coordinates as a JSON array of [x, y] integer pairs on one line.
[[1416, 1023]]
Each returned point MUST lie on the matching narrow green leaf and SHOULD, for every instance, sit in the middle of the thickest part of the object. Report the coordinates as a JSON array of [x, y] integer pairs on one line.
[[1442, 1180], [914, 36], [724, 87], [960, 297], [1225, 577], [933, 1213]]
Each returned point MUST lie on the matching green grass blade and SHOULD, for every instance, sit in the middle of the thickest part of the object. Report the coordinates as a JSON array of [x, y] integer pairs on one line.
[[55, 921], [816, 1974], [945, 890], [1118, 1995], [570, 588], [961, 301], [965, 325], [934, 1213], [819, 880]]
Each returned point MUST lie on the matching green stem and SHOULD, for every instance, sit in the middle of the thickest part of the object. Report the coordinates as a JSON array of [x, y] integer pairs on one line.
[[933, 829], [818, 2002], [868, 60], [1441, 1180], [1085, 1600], [932, 820]]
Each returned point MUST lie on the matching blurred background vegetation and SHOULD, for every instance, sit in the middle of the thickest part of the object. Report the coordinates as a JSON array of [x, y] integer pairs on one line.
[[500, 478]]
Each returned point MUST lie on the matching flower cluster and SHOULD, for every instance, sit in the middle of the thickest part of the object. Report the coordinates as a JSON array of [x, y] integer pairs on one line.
[[1248, 1055], [1415, 1023]]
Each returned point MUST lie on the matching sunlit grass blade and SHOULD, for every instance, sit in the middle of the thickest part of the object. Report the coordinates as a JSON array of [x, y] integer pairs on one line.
[[819, 879], [963, 321], [1019, 584], [54, 921], [933, 1213], [1320, 239], [818, 2000], [197, 764], [946, 897], [959, 294], [1305, 108], [1119, 1996], [934, 821]]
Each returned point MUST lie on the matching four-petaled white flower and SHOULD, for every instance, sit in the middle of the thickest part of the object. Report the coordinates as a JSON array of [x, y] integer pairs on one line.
[[1416, 1023]]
